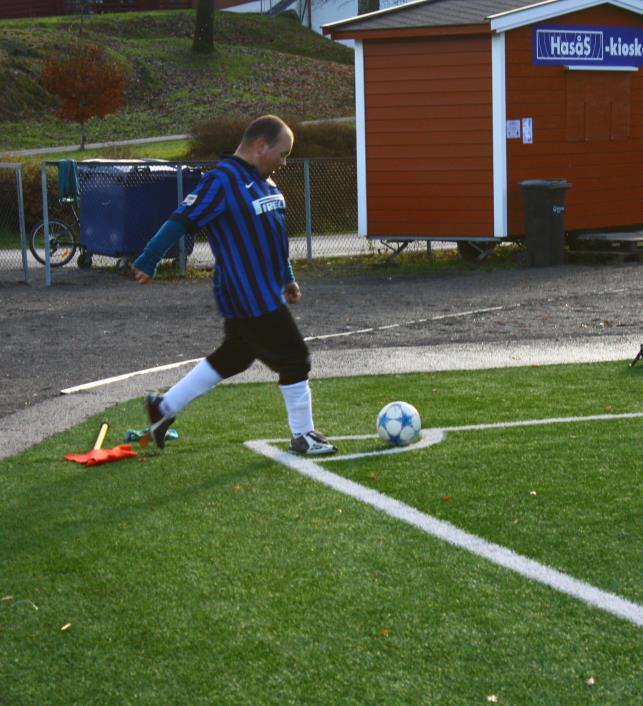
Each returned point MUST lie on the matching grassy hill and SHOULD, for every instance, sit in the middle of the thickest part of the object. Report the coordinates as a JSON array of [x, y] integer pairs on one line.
[[260, 64]]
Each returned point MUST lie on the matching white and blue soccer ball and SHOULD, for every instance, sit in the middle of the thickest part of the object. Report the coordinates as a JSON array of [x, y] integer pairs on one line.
[[399, 423]]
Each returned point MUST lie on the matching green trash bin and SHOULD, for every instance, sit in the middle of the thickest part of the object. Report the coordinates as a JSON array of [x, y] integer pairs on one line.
[[545, 220]]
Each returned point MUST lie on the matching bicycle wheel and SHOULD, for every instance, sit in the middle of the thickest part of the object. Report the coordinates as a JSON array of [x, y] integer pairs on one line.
[[62, 243]]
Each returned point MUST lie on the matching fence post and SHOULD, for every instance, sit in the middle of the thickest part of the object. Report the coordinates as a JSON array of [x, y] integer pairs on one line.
[[45, 219], [179, 194], [309, 229], [21, 224]]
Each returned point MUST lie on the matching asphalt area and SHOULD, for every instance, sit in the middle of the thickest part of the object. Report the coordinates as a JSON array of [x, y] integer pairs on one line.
[[92, 325]]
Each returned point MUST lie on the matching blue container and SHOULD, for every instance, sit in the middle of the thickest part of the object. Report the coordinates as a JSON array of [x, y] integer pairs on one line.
[[123, 205]]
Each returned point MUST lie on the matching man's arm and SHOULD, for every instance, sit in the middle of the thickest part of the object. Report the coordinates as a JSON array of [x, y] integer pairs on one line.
[[291, 290], [167, 235]]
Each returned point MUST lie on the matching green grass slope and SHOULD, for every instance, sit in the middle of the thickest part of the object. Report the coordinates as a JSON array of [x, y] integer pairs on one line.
[[260, 64]]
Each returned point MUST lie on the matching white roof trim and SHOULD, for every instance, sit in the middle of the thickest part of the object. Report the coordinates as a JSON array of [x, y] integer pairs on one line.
[[553, 8]]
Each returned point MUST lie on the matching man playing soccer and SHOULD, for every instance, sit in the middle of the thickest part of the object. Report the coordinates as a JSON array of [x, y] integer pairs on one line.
[[243, 212]]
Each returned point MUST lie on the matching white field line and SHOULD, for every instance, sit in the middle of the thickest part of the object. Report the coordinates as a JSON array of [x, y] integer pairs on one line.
[[445, 531], [126, 376], [440, 317], [170, 366]]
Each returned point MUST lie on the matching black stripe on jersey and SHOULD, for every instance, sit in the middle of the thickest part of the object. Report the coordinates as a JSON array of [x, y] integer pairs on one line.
[[232, 294], [270, 258], [236, 294], [230, 303], [209, 198], [265, 254], [264, 243], [237, 240]]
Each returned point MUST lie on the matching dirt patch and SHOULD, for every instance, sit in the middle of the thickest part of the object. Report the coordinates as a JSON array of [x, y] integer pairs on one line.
[[91, 324]]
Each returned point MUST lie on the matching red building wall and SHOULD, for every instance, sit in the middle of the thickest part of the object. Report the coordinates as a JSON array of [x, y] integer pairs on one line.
[[428, 119], [588, 128], [31, 8], [49, 8]]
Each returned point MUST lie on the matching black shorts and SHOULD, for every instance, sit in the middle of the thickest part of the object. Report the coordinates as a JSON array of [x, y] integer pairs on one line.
[[274, 339]]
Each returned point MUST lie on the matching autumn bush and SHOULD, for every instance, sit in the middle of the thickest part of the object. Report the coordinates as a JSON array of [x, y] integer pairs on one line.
[[333, 179], [87, 82], [324, 139], [213, 138]]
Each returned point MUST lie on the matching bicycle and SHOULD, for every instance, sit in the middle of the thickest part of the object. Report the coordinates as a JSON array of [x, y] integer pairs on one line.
[[64, 242]]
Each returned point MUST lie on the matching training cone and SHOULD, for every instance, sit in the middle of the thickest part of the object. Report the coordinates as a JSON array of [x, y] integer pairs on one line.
[[99, 455]]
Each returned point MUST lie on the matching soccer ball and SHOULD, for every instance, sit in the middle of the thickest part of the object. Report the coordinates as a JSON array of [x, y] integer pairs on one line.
[[398, 423]]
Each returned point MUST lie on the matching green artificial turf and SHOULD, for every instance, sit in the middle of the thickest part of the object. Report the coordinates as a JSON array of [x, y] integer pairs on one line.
[[208, 574]]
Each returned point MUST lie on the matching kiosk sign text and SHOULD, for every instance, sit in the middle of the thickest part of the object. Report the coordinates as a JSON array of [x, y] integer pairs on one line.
[[589, 46]]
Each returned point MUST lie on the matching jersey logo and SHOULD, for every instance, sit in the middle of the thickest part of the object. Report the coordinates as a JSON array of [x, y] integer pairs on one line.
[[189, 199], [249, 185], [266, 204]]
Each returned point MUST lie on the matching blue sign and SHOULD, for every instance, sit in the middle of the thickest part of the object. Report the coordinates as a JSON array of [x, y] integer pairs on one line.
[[588, 46]]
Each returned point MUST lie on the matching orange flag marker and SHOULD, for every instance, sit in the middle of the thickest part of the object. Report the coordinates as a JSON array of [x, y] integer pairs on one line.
[[99, 455]]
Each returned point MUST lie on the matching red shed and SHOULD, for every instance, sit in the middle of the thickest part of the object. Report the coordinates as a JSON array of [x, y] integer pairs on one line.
[[457, 101]]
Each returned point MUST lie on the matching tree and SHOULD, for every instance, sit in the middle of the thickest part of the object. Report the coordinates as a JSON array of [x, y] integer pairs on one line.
[[364, 6], [204, 31], [87, 83]]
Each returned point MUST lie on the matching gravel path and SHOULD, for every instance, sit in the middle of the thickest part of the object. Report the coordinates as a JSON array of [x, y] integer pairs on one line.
[[92, 325]]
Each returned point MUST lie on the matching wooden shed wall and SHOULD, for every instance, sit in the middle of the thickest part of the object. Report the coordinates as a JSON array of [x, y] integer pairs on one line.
[[428, 136], [32, 8], [588, 128], [47, 8]]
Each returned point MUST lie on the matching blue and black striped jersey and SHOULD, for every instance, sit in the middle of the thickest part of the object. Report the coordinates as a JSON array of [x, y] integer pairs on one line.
[[245, 218]]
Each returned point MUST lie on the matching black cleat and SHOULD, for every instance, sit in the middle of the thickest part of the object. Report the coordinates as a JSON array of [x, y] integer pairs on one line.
[[312, 443], [158, 423]]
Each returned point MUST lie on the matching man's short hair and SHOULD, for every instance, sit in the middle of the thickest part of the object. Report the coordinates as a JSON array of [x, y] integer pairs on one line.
[[269, 127]]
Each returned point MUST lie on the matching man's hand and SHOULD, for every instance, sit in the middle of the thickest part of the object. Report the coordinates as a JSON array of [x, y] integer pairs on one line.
[[292, 293], [140, 277]]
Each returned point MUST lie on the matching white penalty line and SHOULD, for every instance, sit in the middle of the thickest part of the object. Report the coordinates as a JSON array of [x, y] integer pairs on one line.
[[400, 324], [445, 531], [126, 376]]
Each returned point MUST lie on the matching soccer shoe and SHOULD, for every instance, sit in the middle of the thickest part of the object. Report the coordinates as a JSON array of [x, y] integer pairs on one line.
[[158, 423], [310, 444]]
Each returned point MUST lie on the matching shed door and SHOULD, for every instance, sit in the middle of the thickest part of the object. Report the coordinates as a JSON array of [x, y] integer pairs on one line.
[[587, 128], [598, 106]]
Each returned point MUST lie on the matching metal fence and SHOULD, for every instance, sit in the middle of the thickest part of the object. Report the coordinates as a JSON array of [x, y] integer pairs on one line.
[[120, 204], [13, 240]]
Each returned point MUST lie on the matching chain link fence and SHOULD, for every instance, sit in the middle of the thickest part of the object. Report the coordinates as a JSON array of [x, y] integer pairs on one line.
[[13, 240], [100, 214], [321, 207]]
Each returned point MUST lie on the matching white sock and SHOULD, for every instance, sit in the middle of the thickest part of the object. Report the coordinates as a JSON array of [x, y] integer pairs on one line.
[[299, 406], [197, 382]]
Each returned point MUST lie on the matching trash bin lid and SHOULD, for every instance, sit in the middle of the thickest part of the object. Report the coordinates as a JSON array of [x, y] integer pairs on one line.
[[545, 184]]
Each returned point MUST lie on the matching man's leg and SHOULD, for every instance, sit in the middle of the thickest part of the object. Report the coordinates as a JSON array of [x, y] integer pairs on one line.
[[277, 342], [299, 405], [230, 358], [197, 382]]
